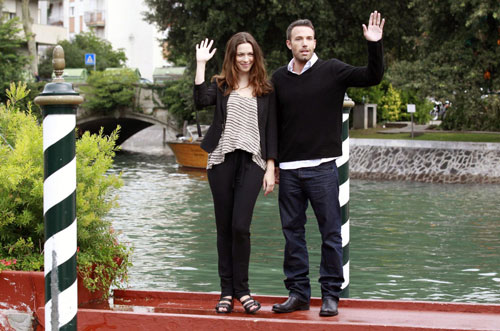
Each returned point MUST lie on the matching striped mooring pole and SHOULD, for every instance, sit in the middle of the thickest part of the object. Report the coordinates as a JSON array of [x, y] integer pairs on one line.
[[343, 168], [59, 103]]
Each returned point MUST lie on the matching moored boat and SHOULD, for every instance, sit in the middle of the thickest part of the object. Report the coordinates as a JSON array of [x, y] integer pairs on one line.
[[187, 149]]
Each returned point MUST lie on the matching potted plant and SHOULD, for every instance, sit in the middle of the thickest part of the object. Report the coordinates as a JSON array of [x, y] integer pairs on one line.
[[102, 260]]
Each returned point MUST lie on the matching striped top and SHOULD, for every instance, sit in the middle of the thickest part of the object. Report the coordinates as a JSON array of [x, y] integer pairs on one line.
[[240, 132]]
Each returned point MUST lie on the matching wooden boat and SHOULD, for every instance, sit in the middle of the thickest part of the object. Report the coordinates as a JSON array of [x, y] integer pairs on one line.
[[187, 149], [189, 154]]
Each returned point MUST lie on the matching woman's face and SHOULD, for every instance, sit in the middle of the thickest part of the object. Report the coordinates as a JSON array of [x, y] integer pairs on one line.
[[244, 57]]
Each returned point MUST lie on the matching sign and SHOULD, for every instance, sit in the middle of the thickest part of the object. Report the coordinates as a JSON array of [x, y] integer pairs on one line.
[[410, 108], [90, 59]]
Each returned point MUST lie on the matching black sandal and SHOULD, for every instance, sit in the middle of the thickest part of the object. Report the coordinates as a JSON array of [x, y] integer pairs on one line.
[[224, 302], [248, 303]]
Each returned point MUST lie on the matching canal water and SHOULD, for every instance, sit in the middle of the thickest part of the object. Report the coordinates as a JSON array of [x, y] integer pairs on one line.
[[410, 241]]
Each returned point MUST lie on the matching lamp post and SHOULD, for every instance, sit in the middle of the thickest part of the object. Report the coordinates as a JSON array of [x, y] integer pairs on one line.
[[59, 103]]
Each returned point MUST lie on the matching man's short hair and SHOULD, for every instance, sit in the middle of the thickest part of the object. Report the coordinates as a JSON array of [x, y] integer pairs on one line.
[[301, 22]]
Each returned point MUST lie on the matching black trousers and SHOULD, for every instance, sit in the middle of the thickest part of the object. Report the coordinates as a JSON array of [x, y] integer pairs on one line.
[[235, 185]]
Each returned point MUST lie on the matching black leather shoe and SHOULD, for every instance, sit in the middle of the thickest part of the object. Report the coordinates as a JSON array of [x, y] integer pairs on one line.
[[329, 307], [291, 304]]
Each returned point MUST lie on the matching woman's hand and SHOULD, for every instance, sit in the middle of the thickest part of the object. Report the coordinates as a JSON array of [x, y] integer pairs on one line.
[[203, 53], [268, 181]]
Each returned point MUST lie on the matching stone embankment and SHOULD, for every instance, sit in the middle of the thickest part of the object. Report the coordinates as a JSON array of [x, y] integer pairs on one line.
[[425, 161]]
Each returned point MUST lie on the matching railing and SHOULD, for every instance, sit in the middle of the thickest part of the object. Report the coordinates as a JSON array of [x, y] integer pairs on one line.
[[95, 18], [55, 20]]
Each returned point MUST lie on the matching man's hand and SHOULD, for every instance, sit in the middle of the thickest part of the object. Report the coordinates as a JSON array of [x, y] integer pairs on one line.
[[375, 27]]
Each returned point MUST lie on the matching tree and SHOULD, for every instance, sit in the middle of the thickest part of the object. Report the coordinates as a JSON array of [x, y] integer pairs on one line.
[[12, 62], [457, 51], [337, 25], [110, 89], [75, 50], [27, 27]]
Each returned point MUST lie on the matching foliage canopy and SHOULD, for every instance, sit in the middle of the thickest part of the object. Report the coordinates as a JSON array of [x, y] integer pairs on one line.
[[12, 62], [110, 89], [337, 26], [446, 49]]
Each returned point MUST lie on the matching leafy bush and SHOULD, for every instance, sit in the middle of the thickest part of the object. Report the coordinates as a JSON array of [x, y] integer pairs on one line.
[[390, 105], [177, 97], [109, 90], [471, 112], [386, 96], [21, 198], [423, 107]]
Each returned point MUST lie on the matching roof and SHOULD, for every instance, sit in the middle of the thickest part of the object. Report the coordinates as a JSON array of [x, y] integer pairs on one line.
[[136, 70], [169, 71], [74, 75]]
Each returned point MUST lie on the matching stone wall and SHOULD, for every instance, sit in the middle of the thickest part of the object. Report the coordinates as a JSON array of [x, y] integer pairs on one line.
[[424, 161]]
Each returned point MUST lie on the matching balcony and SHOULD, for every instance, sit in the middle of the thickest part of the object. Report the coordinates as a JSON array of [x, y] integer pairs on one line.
[[49, 34], [95, 18]]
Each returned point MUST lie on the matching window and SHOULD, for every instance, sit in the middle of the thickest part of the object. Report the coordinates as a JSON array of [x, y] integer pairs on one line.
[[71, 11]]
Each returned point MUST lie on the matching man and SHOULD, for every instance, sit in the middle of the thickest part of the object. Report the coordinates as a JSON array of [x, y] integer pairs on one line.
[[310, 94]]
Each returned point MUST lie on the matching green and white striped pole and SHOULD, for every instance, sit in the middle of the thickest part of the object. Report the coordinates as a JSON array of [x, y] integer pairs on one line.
[[59, 103], [343, 168]]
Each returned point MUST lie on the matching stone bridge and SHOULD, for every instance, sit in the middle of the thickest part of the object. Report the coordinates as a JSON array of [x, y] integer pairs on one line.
[[146, 111]]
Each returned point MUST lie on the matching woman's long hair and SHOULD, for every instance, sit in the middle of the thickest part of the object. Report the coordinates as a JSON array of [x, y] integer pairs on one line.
[[229, 75]]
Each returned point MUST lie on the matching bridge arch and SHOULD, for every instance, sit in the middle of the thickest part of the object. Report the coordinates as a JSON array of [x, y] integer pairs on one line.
[[130, 122]]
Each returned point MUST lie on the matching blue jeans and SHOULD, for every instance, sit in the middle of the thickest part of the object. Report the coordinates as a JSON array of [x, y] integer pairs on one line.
[[319, 185]]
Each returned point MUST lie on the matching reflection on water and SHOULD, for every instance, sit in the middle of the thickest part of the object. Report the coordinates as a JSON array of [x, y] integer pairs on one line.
[[408, 240]]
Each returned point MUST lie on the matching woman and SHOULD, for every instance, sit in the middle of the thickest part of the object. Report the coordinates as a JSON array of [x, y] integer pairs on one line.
[[242, 146]]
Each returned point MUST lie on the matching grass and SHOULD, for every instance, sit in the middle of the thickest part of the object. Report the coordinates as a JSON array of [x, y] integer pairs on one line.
[[375, 133]]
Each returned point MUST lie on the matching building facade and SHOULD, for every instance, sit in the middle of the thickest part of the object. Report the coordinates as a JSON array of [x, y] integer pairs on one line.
[[45, 34], [121, 22]]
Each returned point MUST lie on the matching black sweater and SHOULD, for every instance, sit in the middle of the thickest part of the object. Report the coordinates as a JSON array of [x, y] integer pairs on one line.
[[309, 105]]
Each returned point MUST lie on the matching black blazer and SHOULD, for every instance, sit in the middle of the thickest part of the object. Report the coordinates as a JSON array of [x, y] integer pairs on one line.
[[266, 109]]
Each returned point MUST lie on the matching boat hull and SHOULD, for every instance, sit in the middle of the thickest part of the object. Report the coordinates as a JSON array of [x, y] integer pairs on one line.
[[189, 154]]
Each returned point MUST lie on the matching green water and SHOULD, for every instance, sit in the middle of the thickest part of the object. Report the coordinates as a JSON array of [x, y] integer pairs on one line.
[[408, 240]]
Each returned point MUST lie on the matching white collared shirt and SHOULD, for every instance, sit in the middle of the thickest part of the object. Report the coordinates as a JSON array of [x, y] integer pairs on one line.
[[304, 163], [308, 65]]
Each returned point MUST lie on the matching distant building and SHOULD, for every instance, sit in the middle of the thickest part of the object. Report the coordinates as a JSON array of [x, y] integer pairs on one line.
[[45, 34], [121, 22]]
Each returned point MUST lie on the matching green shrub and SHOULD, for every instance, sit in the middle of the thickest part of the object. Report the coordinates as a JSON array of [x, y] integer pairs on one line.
[[390, 105], [423, 107], [177, 96], [21, 198], [471, 112], [386, 96], [110, 90]]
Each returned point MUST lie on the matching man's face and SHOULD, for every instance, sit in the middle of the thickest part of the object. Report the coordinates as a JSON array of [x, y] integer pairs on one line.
[[302, 43]]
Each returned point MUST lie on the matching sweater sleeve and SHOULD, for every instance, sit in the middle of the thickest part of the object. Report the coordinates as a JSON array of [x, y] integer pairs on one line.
[[204, 95], [369, 75]]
